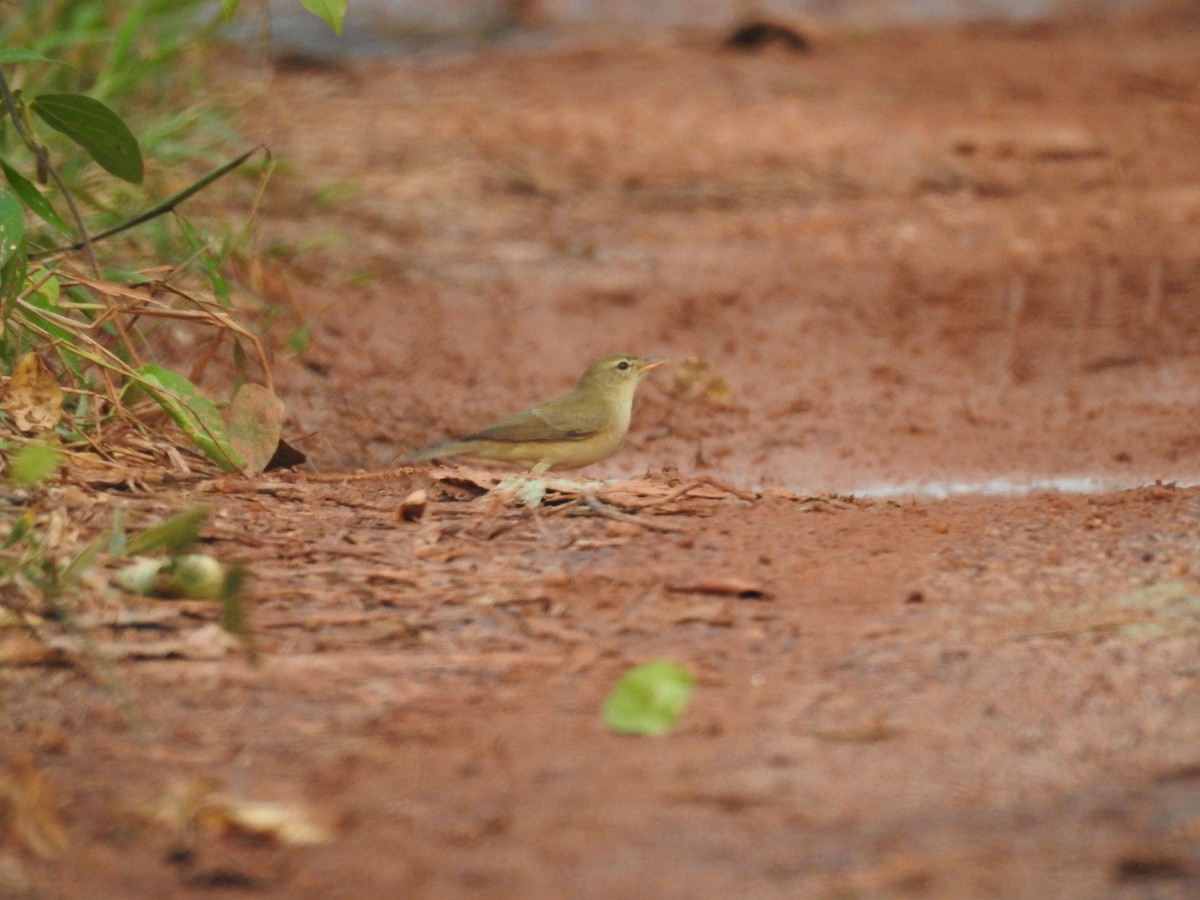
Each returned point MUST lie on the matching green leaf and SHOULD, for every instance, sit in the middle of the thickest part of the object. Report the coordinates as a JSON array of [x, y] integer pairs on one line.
[[118, 540], [95, 128], [84, 560], [194, 413], [12, 225], [649, 699], [46, 297], [23, 526], [235, 616], [300, 339], [332, 11], [176, 534], [12, 275], [193, 575], [228, 8], [12, 57], [32, 197], [33, 464]]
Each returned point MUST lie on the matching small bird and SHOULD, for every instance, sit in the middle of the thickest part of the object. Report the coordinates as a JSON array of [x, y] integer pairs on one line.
[[575, 430]]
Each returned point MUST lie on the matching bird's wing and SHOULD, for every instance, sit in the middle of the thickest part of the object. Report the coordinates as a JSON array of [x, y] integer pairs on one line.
[[550, 422]]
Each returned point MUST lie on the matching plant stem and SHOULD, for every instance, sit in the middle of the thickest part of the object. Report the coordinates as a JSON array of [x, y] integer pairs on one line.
[[43, 159]]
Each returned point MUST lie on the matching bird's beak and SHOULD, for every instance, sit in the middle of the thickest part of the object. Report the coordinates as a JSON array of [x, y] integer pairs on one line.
[[652, 363]]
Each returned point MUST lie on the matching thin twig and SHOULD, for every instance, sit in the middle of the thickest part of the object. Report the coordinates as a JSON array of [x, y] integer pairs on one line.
[[685, 489], [153, 213], [616, 515]]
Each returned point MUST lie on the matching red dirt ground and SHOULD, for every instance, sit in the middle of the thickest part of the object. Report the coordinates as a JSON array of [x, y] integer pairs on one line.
[[935, 257]]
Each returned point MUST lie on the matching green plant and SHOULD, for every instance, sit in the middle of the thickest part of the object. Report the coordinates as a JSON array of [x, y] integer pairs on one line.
[[82, 324]]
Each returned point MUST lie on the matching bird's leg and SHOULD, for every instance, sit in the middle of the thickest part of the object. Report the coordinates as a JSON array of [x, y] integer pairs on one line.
[[528, 488]]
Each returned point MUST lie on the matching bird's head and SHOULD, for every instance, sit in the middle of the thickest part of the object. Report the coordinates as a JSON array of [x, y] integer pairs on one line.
[[618, 374]]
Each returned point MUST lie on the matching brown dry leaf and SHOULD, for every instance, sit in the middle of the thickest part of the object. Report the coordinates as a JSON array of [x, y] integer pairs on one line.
[[287, 826], [32, 395], [28, 816], [696, 379], [741, 588], [188, 805], [464, 483], [255, 421]]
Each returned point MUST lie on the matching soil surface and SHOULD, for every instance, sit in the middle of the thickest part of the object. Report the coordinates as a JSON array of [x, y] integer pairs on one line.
[[902, 265]]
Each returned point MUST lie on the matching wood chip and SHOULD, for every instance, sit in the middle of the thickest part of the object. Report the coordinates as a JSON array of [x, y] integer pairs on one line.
[[714, 612], [728, 587], [413, 506]]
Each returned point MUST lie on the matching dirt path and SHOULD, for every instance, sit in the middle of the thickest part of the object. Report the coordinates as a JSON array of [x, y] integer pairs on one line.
[[913, 258]]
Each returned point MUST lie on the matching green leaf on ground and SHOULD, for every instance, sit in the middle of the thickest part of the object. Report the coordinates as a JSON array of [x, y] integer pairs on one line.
[[33, 464], [194, 413], [649, 699], [196, 576], [95, 128], [255, 420]]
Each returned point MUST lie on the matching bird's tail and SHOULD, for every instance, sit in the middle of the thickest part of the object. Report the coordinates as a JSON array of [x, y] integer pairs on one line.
[[445, 449]]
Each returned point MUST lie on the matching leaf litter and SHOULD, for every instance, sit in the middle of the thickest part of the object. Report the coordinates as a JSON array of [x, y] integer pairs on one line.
[[32, 395]]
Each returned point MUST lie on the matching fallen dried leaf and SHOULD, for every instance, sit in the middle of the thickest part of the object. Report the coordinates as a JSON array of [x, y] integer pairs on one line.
[[194, 575], [187, 805], [254, 418], [32, 395], [287, 826]]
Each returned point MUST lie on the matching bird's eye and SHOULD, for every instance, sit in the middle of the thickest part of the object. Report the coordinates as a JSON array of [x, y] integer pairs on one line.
[[623, 366]]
